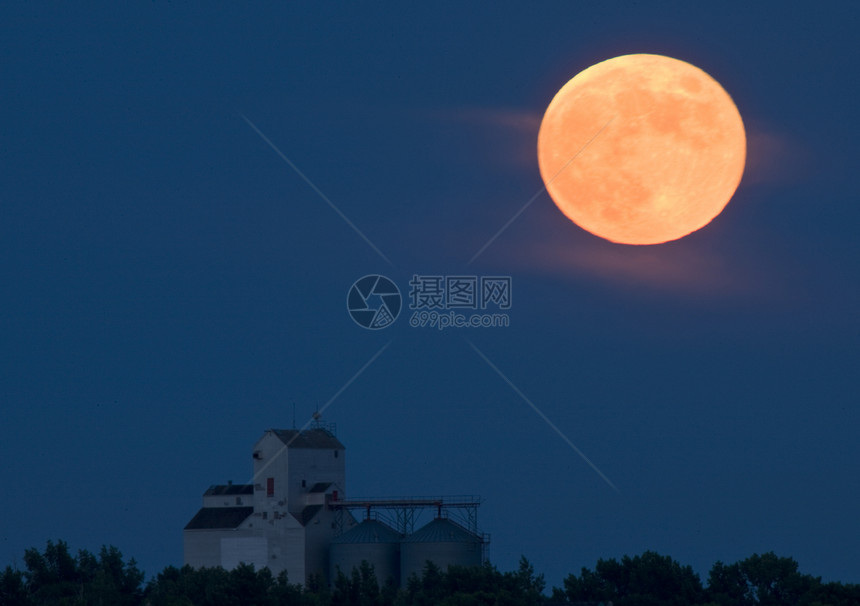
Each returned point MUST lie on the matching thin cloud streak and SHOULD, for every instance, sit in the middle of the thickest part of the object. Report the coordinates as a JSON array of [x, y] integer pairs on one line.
[[690, 271], [507, 136], [527, 122]]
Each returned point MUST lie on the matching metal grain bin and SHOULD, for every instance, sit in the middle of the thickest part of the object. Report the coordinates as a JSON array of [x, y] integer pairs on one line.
[[371, 540], [443, 542]]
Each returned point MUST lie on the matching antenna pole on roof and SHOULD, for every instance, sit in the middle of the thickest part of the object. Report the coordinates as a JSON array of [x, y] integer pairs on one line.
[[294, 414]]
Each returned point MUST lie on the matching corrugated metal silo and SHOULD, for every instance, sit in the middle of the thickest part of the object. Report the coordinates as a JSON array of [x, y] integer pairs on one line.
[[442, 542], [371, 540]]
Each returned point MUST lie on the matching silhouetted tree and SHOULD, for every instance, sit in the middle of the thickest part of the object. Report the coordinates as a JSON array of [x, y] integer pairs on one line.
[[285, 593], [761, 580], [530, 585], [52, 578], [474, 585], [57, 578], [835, 594], [360, 588], [649, 579], [727, 586], [345, 590], [316, 591], [13, 591]]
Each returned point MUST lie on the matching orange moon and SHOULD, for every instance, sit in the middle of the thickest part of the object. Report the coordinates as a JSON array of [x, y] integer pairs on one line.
[[641, 149]]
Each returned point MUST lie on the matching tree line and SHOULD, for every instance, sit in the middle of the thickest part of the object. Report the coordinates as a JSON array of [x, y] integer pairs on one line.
[[56, 577]]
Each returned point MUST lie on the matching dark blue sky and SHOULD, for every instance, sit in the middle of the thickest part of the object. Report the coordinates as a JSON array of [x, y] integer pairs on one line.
[[169, 286]]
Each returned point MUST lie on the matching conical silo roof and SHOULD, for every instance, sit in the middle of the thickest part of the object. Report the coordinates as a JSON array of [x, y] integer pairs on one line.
[[441, 530], [369, 531]]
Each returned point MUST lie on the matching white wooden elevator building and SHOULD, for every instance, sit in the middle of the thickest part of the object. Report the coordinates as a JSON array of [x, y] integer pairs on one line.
[[281, 520]]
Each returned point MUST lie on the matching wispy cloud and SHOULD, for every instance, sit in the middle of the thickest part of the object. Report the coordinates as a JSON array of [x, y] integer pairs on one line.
[[508, 135], [774, 158], [699, 265], [664, 267], [520, 120]]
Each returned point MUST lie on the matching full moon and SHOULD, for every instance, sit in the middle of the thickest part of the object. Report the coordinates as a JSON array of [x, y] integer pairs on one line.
[[641, 149]]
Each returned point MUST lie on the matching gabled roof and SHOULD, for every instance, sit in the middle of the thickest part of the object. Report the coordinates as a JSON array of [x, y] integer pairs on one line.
[[229, 489], [219, 517], [320, 487], [309, 438]]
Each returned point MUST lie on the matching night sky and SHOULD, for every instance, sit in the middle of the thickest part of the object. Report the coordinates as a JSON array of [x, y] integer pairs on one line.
[[170, 287]]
